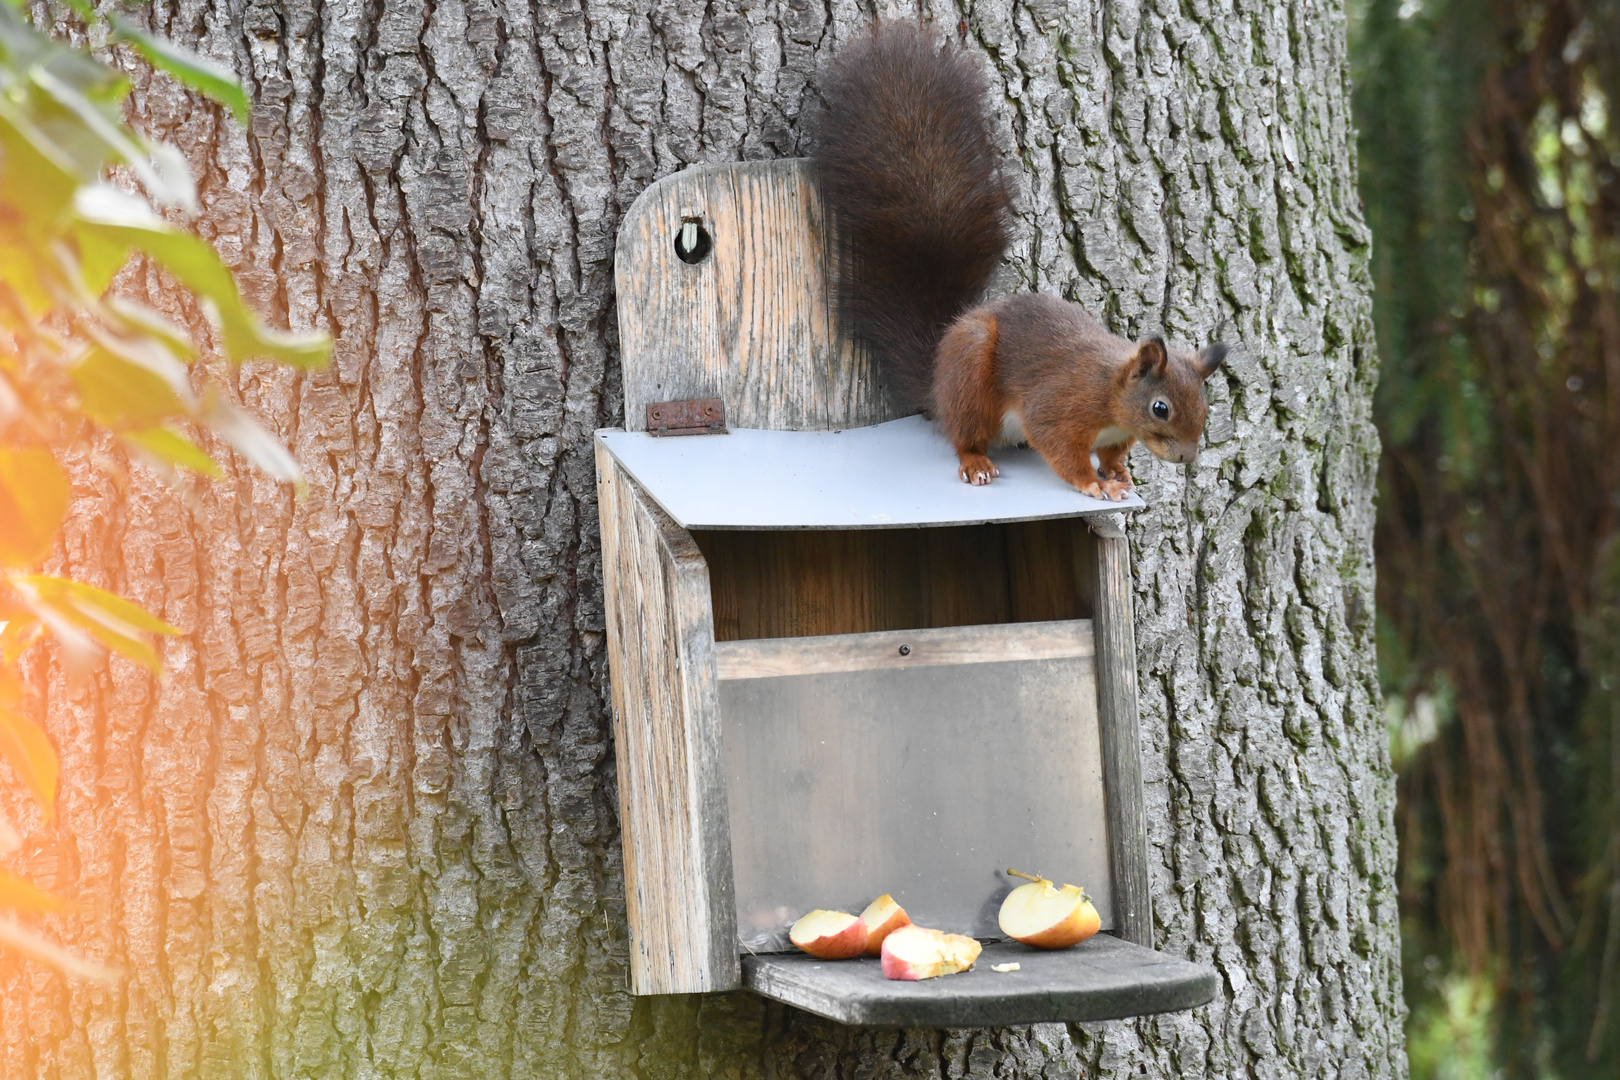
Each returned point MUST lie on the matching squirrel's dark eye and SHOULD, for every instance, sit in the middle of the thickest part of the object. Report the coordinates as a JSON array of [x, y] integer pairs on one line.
[[1161, 409]]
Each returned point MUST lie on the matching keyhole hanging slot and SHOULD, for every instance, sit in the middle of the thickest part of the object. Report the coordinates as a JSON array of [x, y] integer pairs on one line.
[[692, 242]]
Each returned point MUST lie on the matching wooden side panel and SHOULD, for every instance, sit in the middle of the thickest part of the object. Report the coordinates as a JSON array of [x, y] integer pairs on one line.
[[750, 323], [1120, 727], [666, 727]]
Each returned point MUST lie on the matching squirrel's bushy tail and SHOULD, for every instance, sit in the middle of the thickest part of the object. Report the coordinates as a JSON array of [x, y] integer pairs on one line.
[[912, 178]]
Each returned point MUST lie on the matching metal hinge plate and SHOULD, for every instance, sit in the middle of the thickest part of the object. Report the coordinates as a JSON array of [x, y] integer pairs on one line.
[[690, 416]]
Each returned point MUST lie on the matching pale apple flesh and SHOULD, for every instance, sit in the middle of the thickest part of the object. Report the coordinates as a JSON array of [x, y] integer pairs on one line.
[[1048, 917], [882, 917], [914, 952], [830, 935]]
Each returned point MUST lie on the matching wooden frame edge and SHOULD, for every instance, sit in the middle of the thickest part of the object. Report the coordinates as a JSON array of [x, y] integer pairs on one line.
[[1119, 723], [713, 964]]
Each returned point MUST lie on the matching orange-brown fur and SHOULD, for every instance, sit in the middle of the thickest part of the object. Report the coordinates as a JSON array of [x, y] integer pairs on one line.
[[1069, 381], [910, 170]]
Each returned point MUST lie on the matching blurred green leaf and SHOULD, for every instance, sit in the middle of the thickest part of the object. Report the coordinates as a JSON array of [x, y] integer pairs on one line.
[[112, 219], [33, 501], [172, 448], [23, 48], [119, 143], [197, 72], [119, 391], [21, 276], [70, 354], [134, 317], [111, 621], [54, 161], [102, 256], [37, 182]]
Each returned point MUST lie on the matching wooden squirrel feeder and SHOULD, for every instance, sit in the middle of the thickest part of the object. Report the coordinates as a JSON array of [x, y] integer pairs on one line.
[[838, 671]]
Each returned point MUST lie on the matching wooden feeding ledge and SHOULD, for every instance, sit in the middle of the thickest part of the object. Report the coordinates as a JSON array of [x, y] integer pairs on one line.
[[838, 671]]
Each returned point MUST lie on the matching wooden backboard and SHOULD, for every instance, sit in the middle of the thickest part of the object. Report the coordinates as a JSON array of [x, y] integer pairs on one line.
[[750, 322]]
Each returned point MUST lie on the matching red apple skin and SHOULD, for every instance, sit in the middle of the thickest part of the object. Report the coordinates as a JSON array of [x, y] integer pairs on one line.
[[896, 967], [882, 917], [941, 953], [845, 944]]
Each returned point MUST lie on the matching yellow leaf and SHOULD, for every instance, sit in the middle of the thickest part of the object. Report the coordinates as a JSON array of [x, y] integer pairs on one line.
[[20, 894], [14, 935], [18, 633], [33, 501], [98, 604], [72, 610], [32, 757]]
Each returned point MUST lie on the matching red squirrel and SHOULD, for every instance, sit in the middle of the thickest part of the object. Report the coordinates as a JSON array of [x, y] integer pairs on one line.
[[920, 211]]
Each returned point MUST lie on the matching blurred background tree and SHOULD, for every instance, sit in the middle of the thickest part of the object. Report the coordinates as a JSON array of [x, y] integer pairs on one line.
[[1488, 160]]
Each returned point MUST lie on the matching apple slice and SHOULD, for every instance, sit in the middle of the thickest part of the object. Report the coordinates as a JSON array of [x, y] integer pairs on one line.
[[829, 935], [1046, 917], [915, 952], [882, 917]]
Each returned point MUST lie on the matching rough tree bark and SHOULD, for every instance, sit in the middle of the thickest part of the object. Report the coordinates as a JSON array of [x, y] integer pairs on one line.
[[367, 826]]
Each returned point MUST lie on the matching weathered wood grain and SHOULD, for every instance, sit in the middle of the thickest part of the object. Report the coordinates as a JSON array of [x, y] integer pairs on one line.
[[1121, 740], [801, 584], [666, 726], [853, 772], [750, 323], [954, 645]]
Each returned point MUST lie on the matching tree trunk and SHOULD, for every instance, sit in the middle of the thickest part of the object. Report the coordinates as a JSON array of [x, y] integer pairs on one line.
[[367, 827]]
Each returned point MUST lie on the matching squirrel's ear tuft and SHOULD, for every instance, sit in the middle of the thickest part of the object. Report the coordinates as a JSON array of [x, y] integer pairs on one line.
[[1209, 361], [1151, 358]]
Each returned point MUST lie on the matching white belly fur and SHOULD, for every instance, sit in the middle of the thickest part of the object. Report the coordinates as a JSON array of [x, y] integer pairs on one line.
[[1012, 431], [1112, 436]]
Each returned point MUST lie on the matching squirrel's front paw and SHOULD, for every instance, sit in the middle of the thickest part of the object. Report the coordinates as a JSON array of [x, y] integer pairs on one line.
[[977, 469], [1116, 490]]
